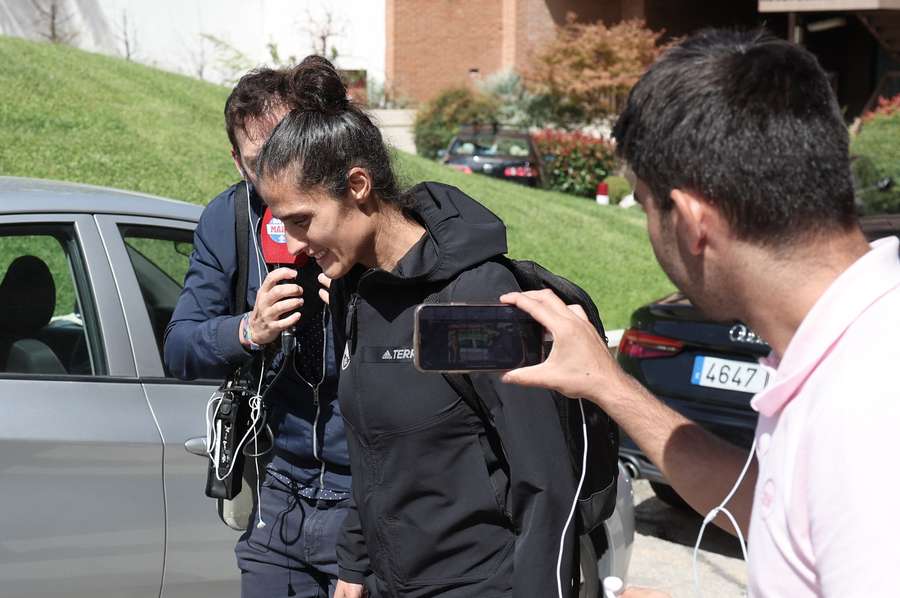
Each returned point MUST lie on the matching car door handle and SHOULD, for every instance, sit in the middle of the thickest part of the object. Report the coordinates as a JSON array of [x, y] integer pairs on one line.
[[196, 446]]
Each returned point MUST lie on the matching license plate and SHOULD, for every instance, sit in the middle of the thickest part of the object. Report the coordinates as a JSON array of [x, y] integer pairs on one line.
[[728, 374]]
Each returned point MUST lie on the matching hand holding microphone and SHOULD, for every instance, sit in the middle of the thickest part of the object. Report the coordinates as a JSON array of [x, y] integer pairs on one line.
[[279, 294]]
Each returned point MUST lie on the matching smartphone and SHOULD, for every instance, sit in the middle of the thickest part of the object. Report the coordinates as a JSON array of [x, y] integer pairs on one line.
[[469, 338]]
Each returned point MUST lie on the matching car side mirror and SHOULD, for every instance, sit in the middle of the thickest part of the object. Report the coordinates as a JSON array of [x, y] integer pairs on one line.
[[441, 154]]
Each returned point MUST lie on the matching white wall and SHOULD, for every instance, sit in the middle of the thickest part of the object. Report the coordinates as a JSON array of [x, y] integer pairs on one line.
[[168, 33], [396, 128]]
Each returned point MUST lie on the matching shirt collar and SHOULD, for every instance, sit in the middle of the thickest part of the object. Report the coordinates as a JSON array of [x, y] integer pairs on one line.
[[842, 303]]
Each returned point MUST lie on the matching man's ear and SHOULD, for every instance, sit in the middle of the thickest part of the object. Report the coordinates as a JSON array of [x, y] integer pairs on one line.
[[237, 164], [359, 185], [694, 218]]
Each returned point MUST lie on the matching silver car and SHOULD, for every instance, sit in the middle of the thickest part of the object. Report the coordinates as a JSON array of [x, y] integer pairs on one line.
[[101, 485]]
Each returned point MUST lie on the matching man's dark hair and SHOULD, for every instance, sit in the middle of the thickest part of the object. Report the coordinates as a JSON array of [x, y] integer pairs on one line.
[[325, 135], [254, 96], [749, 122]]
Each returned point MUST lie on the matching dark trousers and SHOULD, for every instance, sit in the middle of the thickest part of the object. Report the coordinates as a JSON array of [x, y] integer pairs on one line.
[[294, 554]]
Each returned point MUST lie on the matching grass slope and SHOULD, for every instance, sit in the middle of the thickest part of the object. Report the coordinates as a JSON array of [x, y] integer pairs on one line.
[[70, 115]]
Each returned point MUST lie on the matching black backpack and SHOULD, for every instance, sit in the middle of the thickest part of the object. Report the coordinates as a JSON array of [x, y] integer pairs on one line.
[[597, 498]]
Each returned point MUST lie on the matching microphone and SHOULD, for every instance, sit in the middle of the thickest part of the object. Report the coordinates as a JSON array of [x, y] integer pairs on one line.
[[276, 255]]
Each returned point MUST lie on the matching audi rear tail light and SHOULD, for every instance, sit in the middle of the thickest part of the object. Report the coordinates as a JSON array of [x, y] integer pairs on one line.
[[520, 171], [641, 345]]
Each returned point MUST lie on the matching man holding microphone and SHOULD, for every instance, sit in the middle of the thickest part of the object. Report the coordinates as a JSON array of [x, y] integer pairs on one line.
[[289, 546]]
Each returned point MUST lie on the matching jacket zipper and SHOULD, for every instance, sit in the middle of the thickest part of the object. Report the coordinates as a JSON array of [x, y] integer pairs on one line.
[[315, 390], [351, 311]]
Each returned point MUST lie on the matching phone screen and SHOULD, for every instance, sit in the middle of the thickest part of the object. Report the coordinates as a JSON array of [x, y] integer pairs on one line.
[[464, 338]]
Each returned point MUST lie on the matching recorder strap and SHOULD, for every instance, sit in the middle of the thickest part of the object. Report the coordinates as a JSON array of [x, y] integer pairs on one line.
[[242, 243]]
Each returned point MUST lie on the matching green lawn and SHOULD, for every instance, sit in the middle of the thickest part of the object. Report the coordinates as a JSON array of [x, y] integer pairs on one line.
[[70, 115]]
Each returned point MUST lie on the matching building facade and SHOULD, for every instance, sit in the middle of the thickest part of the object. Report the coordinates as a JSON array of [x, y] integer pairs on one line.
[[435, 44]]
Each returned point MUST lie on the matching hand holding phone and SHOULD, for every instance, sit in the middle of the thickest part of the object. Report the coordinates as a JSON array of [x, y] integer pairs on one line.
[[461, 337]]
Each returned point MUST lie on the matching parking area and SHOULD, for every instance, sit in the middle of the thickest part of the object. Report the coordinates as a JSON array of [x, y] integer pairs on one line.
[[663, 546]]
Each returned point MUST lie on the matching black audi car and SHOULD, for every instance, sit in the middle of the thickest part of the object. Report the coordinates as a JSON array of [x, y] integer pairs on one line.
[[502, 153], [706, 370]]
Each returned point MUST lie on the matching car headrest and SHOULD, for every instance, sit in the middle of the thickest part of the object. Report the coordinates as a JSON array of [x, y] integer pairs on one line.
[[27, 296]]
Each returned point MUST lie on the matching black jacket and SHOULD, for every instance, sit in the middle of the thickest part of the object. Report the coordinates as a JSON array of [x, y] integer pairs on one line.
[[427, 510]]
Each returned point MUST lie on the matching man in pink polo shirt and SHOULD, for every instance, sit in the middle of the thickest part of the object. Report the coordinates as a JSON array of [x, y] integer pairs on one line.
[[740, 158]]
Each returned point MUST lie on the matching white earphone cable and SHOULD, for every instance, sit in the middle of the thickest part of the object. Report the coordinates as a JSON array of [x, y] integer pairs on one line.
[[562, 539], [714, 513], [260, 523], [256, 411]]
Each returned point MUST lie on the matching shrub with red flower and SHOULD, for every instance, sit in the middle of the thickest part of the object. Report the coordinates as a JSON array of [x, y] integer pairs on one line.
[[578, 161], [886, 107]]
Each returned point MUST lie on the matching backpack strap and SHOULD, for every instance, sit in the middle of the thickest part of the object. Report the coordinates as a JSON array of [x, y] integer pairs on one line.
[[465, 388], [495, 455], [462, 383], [242, 243]]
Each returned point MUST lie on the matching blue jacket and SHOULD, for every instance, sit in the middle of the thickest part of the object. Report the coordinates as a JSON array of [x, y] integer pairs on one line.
[[202, 342]]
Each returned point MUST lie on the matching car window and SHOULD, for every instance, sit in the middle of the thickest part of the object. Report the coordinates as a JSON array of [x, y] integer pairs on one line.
[[160, 258], [491, 145], [512, 146], [48, 323], [463, 147]]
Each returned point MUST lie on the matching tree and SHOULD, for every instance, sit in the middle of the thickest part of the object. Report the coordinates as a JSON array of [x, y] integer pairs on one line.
[[53, 19], [197, 58], [322, 30], [230, 61], [581, 76], [277, 60], [128, 37]]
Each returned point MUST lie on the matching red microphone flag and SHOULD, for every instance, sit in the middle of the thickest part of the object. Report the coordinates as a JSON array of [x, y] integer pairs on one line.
[[274, 244]]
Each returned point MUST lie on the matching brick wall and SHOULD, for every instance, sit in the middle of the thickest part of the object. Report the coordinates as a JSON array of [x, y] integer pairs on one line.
[[435, 44], [539, 19]]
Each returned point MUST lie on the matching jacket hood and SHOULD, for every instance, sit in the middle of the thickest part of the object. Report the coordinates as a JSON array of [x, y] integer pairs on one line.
[[461, 233]]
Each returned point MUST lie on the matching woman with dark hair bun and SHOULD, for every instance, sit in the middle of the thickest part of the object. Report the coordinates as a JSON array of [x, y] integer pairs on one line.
[[436, 514]]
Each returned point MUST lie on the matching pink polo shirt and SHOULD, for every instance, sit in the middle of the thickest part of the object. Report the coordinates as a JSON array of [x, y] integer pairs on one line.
[[826, 509]]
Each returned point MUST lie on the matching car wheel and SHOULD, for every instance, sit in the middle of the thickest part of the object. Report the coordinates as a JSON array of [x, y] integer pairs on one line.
[[665, 493]]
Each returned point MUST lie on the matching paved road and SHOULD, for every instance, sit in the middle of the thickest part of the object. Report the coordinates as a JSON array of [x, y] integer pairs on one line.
[[664, 544]]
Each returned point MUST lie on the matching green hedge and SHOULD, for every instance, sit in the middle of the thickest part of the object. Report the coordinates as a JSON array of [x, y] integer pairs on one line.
[[578, 162], [439, 120], [876, 151]]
